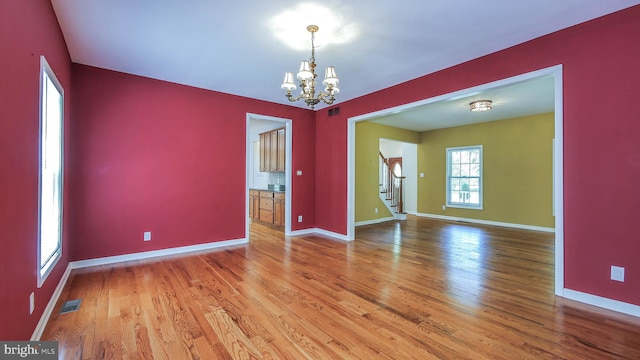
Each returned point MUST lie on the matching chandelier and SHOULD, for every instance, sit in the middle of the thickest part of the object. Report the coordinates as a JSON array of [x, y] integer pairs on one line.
[[307, 80]]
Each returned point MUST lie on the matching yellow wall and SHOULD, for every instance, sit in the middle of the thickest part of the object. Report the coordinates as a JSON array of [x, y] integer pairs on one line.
[[517, 170], [367, 187]]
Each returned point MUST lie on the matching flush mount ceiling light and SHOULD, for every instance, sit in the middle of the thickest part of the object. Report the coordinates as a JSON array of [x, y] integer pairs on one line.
[[307, 80], [480, 105]]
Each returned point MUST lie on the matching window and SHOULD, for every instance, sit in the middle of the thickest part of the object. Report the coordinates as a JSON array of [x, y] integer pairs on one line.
[[50, 172], [464, 177]]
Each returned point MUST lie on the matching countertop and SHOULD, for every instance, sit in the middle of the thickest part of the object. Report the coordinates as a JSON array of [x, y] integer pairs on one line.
[[275, 191]]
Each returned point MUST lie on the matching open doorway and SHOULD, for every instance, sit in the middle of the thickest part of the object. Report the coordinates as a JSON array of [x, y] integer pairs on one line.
[[264, 181], [555, 73]]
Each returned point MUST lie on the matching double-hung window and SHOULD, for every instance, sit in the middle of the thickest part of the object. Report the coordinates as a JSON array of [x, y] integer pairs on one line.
[[464, 177], [50, 171]]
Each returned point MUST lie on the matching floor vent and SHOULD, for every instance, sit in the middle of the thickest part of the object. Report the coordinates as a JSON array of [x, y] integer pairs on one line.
[[70, 306]]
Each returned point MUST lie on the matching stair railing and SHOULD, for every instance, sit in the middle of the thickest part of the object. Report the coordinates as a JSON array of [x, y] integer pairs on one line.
[[391, 185]]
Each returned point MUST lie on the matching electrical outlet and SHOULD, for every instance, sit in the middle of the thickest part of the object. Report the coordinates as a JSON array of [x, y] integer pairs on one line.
[[376, 210], [617, 273], [32, 302], [421, 174], [147, 236], [299, 218], [299, 172], [444, 207]]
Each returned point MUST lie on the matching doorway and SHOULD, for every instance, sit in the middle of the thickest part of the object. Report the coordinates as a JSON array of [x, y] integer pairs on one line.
[[558, 211], [255, 125]]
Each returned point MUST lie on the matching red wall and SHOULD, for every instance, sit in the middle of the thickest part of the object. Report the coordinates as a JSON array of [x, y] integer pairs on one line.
[[170, 159], [601, 80], [147, 155], [28, 29]]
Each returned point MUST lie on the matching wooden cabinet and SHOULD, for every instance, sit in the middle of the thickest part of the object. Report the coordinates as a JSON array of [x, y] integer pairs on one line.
[[273, 150], [281, 150], [278, 209], [267, 206], [254, 204], [265, 150]]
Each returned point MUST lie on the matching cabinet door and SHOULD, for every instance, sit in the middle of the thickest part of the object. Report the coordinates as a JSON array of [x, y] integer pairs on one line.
[[265, 147], [254, 210], [281, 150], [266, 216], [273, 151], [278, 213]]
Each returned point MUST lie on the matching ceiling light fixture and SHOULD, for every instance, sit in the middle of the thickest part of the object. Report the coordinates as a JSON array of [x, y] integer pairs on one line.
[[307, 80], [480, 105]]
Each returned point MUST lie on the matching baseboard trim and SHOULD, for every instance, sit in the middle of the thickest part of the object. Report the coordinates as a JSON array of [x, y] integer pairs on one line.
[[599, 301], [155, 253], [487, 222], [332, 234], [48, 310], [302, 232], [319, 231], [374, 221]]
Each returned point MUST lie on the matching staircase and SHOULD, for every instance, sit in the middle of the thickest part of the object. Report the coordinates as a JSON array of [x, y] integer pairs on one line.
[[391, 189]]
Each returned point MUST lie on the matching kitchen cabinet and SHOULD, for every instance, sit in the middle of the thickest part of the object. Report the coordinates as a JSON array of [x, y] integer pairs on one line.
[[273, 151], [254, 204], [267, 207], [278, 209], [281, 150]]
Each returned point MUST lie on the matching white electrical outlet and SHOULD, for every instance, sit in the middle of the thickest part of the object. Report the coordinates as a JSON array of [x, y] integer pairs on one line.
[[299, 218], [376, 210], [299, 172], [617, 273], [32, 302], [147, 236], [444, 207], [421, 174]]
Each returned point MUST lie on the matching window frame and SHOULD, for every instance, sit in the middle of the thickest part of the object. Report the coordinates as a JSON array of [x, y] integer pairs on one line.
[[46, 72], [448, 178]]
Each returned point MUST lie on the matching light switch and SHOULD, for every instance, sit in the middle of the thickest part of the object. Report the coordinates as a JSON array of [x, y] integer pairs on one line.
[[299, 172]]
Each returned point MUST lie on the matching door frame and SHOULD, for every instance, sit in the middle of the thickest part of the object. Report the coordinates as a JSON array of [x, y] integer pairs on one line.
[[289, 185], [558, 146]]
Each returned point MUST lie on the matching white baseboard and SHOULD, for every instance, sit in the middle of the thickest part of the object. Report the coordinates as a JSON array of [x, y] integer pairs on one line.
[[320, 232], [487, 222], [374, 221], [302, 232], [602, 302], [332, 234], [48, 310], [155, 253]]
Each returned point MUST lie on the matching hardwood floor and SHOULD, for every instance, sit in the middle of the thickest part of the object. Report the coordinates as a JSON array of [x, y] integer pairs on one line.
[[419, 289]]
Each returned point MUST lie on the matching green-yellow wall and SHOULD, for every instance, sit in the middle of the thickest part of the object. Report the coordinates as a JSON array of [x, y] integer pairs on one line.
[[366, 167], [517, 170]]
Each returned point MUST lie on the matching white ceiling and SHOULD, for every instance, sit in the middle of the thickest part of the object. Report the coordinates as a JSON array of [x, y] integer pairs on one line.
[[535, 96], [236, 47]]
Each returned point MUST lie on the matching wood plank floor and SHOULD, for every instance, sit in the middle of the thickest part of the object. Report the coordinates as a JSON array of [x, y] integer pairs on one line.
[[419, 289]]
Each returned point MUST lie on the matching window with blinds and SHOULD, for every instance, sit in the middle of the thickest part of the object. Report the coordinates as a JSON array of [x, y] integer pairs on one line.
[[50, 172]]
